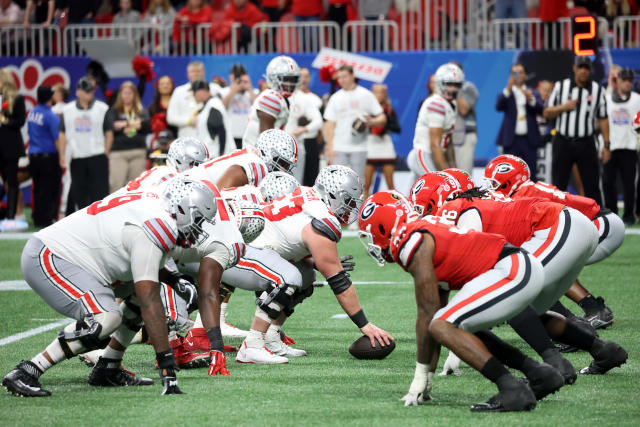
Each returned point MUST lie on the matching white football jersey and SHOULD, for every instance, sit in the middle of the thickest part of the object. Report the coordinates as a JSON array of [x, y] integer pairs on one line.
[[272, 103], [435, 112], [247, 158], [147, 179], [92, 237], [246, 192], [285, 219]]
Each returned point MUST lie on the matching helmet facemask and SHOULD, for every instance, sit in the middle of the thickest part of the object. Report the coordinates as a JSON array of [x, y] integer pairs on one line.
[[375, 251]]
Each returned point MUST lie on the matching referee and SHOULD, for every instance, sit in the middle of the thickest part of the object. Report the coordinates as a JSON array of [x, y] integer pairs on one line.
[[576, 103]]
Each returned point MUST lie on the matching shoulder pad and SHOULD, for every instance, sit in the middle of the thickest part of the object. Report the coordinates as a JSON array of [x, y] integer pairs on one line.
[[269, 102], [328, 227], [160, 233], [408, 248]]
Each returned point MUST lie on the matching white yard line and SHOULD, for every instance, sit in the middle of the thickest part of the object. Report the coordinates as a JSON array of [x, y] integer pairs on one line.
[[35, 331], [14, 285]]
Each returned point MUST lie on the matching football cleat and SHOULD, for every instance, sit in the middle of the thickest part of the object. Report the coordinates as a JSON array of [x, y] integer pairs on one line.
[[516, 398], [558, 361], [196, 340], [109, 373], [611, 356], [230, 331], [258, 355], [602, 318], [281, 349], [23, 381], [187, 359], [565, 348], [544, 380]]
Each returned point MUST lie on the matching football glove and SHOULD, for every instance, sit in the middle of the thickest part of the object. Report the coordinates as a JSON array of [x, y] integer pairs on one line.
[[420, 386], [218, 363], [167, 367], [347, 264], [451, 365]]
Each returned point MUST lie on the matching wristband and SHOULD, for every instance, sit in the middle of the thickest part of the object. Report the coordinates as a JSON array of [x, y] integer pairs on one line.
[[215, 339], [359, 319], [166, 360]]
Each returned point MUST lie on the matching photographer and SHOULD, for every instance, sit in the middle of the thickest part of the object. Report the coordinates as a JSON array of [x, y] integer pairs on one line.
[[519, 133], [237, 99]]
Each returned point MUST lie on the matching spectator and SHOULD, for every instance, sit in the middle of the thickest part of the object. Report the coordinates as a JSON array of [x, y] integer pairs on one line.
[[247, 14], [45, 160], [238, 98], [116, 5], [348, 114], [304, 11], [10, 13], [183, 108], [161, 100], [274, 9], [126, 15], [160, 12], [59, 100], [622, 107], [12, 118], [549, 12], [79, 11], [465, 136], [576, 103], [84, 130], [339, 11], [595, 7], [374, 10], [304, 124], [519, 133], [380, 151], [212, 120], [43, 12], [615, 9], [512, 8], [195, 12], [130, 124]]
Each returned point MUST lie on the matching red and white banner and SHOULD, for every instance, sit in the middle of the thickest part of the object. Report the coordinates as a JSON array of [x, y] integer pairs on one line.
[[373, 70]]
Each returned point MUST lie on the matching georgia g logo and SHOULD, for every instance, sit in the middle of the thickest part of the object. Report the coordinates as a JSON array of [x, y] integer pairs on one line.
[[504, 168], [417, 187], [367, 211]]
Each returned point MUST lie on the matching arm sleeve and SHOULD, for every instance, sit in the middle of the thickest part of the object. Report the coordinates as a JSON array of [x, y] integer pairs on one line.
[[470, 219], [146, 257], [268, 103]]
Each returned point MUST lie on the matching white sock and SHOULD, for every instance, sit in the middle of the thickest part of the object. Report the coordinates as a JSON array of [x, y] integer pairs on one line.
[[198, 322], [255, 339], [112, 353], [223, 310], [42, 362], [273, 333]]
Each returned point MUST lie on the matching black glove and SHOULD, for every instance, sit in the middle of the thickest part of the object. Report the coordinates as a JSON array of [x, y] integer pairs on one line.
[[346, 262], [167, 366]]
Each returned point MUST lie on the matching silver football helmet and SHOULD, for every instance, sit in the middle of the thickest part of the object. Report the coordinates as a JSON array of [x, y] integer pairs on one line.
[[278, 150], [340, 189], [448, 75], [283, 75], [186, 153], [249, 218], [277, 184], [191, 203]]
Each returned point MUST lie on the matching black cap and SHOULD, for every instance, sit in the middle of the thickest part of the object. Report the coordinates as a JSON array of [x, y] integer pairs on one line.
[[85, 84], [582, 60], [626, 74], [238, 70], [45, 93], [198, 85]]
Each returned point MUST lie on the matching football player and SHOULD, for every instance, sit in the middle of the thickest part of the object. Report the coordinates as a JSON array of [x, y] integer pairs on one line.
[[78, 264], [270, 110], [432, 146], [496, 281], [510, 176]]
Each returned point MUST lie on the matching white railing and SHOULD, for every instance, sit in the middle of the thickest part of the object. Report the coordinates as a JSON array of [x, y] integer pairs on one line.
[[201, 40], [294, 37], [532, 34], [146, 39], [371, 36], [626, 32], [18, 40]]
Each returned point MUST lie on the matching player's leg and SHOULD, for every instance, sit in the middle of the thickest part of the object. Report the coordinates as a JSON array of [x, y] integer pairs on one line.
[[387, 170], [486, 301], [74, 293], [369, 170]]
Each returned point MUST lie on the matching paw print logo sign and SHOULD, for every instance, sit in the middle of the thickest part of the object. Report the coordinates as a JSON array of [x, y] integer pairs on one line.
[[30, 75]]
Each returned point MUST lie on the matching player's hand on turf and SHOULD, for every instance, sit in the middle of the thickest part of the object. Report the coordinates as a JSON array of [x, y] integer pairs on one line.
[[169, 381], [451, 365], [374, 333], [411, 399], [420, 387], [218, 363], [346, 262]]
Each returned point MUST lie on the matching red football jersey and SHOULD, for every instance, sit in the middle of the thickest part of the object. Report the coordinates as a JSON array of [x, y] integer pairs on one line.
[[585, 205], [516, 220], [460, 255]]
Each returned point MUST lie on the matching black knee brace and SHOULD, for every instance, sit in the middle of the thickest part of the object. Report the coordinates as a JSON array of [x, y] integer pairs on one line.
[[298, 296], [87, 332], [278, 297]]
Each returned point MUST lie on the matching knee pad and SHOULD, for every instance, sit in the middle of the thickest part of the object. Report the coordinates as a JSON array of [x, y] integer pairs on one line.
[[298, 296], [275, 299], [130, 325], [92, 332], [226, 291]]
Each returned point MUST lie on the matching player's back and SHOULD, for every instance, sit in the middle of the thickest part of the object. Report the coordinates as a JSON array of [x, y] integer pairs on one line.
[[542, 190], [459, 254], [271, 103]]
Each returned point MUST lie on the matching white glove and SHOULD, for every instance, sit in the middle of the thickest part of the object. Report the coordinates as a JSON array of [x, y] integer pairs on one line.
[[420, 386], [451, 365]]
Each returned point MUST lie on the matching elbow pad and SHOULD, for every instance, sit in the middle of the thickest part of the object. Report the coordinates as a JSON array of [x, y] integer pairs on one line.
[[339, 282]]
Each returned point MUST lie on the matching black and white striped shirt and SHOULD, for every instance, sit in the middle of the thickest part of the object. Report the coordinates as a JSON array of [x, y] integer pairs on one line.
[[578, 123]]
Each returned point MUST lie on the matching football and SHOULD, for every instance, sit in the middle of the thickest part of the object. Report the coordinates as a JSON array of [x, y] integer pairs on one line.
[[361, 349]]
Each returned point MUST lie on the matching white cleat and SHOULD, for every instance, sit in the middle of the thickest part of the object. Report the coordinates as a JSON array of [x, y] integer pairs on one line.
[[281, 349], [230, 331], [90, 358], [258, 355]]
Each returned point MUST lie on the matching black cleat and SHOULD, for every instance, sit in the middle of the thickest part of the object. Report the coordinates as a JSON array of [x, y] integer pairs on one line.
[[561, 364], [544, 380], [23, 381], [109, 373], [518, 397], [565, 348], [602, 318], [611, 356]]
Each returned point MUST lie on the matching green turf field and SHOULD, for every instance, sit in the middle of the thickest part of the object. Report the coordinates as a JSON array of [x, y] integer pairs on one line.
[[329, 387]]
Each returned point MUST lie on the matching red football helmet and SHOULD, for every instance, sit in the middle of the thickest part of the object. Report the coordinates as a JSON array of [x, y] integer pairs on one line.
[[463, 178], [430, 191], [506, 173], [379, 218]]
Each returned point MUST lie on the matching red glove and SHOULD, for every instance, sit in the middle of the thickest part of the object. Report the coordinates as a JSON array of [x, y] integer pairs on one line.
[[288, 340], [218, 363]]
